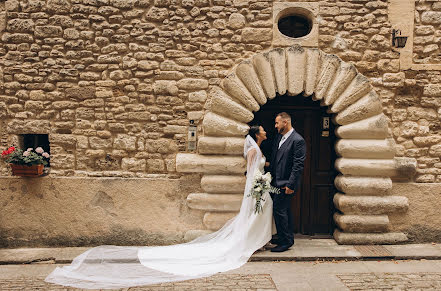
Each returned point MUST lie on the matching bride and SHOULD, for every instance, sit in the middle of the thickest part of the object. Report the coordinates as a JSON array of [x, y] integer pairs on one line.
[[108, 267]]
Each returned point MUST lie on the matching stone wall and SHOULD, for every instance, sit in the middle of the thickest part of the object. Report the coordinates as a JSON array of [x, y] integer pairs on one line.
[[427, 37], [114, 83]]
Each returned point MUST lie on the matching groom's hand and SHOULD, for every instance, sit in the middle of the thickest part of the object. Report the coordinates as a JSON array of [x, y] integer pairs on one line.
[[288, 191]]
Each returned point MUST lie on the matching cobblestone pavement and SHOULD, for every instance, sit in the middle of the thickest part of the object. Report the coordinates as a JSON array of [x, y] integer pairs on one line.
[[230, 282], [392, 281]]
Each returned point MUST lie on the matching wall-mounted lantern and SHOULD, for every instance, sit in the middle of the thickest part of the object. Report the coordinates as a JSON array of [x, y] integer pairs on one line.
[[398, 40]]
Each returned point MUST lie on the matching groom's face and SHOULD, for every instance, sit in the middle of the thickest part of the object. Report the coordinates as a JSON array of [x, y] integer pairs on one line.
[[280, 124]]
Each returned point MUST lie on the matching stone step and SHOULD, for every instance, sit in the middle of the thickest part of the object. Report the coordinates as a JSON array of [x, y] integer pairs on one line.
[[221, 145], [194, 163], [375, 127], [366, 148], [215, 220], [214, 202], [220, 184], [220, 103], [216, 125], [362, 223], [367, 106], [374, 186], [370, 204], [348, 238]]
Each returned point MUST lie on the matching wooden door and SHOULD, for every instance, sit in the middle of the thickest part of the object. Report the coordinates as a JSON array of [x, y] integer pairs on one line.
[[312, 206]]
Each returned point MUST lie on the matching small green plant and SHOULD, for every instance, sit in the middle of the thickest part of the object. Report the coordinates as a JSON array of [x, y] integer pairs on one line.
[[28, 157]]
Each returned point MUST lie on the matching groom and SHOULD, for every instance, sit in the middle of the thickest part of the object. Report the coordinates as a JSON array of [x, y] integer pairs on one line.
[[286, 167]]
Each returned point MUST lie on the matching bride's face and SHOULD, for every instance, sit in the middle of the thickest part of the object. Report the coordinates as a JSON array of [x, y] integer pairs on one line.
[[262, 133]]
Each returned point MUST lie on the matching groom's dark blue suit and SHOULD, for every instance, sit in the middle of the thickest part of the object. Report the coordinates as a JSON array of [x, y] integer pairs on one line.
[[286, 167]]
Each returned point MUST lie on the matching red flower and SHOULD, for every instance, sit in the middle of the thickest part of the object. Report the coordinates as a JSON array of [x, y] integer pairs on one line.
[[8, 151]]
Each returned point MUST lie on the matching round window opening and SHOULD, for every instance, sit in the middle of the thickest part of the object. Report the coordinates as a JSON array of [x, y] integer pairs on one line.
[[294, 25]]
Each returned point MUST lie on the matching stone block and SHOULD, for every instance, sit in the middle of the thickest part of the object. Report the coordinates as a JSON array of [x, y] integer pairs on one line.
[[214, 202], [125, 142], [366, 148], [193, 163], [362, 223], [256, 35], [48, 31], [134, 165], [349, 204], [222, 184], [347, 238], [192, 84], [353, 185], [220, 145], [162, 87], [216, 125]]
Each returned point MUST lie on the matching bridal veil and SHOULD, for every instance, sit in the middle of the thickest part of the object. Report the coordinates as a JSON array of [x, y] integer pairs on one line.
[[109, 267]]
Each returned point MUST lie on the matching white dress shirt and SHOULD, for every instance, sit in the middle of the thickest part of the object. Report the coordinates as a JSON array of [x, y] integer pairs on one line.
[[285, 137]]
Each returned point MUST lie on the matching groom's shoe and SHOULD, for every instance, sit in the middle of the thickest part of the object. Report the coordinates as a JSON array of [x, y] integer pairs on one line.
[[280, 248], [275, 241]]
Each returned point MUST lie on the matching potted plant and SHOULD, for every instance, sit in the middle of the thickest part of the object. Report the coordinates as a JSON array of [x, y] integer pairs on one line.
[[29, 163]]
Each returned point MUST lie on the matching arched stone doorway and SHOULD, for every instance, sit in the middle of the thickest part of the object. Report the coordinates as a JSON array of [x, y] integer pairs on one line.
[[366, 160]]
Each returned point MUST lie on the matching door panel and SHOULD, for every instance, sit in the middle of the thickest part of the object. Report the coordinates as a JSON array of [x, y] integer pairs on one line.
[[312, 206]]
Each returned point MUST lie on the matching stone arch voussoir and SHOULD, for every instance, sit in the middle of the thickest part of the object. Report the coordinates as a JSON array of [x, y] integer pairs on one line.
[[367, 155]]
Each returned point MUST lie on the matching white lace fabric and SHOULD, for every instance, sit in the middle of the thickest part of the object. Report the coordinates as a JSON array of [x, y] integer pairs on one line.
[[109, 267]]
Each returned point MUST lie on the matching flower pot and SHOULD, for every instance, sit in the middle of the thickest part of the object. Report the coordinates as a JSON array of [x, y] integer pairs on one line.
[[27, 171]]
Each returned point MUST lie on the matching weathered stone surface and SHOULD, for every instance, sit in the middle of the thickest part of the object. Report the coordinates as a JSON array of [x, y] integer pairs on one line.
[[236, 21], [163, 87], [365, 148], [192, 163], [345, 74], [131, 164], [214, 202], [422, 220], [221, 145], [256, 35], [431, 17], [353, 185], [97, 204], [192, 84], [222, 104], [248, 76], [359, 87], [278, 62], [367, 106], [216, 125], [236, 89], [48, 31], [347, 238], [264, 72], [311, 70], [215, 220], [398, 167], [296, 58], [375, 127], [125, 142], [330, 64], [362, 223], [349, 204], [223, 184]]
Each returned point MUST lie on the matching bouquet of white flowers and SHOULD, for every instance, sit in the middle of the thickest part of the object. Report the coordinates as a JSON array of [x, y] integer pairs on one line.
[[261, 184]]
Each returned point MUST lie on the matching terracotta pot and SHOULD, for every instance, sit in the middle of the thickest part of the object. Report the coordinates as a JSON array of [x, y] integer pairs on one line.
[[27, 171]]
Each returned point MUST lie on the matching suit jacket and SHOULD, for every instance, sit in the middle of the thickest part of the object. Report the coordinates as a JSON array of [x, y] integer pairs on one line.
[[286, 164]]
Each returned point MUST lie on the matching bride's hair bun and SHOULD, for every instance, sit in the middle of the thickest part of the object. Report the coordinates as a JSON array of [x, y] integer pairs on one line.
[[255, 129]]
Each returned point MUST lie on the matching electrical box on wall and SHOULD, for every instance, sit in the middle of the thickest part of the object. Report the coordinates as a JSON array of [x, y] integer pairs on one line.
[[191, 140]]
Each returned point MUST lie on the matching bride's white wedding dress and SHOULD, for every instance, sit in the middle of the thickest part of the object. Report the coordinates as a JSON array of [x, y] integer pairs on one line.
[[107, 267]]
